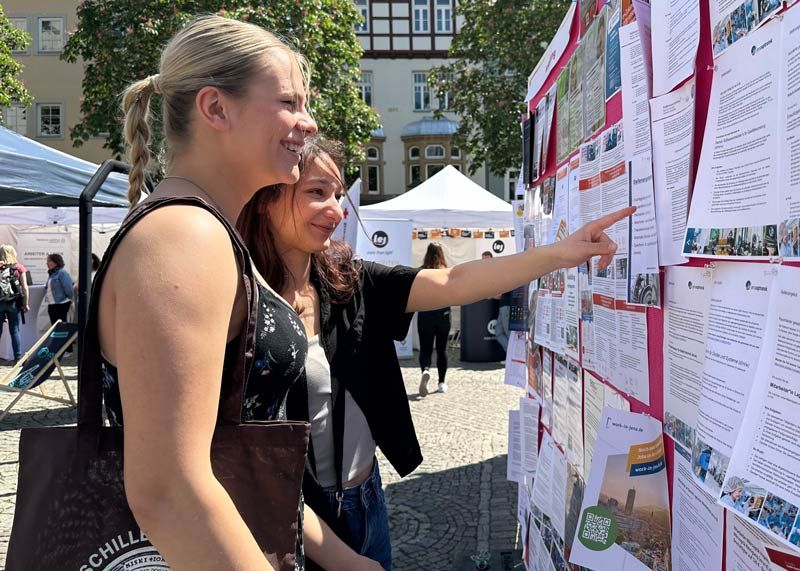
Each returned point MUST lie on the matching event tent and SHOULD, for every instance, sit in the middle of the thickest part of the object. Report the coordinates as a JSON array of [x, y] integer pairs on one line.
[[32, 174], [447, 199]]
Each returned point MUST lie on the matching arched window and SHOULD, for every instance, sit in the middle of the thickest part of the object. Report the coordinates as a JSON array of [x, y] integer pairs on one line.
[[413, 152], [434, 152], [373, 154]]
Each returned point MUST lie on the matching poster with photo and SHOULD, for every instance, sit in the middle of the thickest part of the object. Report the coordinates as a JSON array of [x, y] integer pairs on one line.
[[625, 517]]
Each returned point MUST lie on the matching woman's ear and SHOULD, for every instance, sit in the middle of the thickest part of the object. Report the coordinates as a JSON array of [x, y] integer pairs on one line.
[[212, 108]]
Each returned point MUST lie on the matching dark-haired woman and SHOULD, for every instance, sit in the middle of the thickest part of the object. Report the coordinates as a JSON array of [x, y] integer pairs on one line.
[[353, 392], [58, 289], [434, 327]]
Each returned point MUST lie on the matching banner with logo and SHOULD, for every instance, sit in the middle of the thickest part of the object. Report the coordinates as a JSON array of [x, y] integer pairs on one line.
[[348, 227], [34, 247], [388, 242]]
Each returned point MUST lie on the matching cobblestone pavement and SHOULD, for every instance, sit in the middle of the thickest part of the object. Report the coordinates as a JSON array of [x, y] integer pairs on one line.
[[457, 501]]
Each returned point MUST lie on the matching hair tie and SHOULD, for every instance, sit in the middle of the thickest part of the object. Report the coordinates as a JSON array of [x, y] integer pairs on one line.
[[154, 81]]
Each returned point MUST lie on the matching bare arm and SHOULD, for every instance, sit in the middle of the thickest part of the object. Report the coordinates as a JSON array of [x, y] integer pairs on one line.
[[480, 279], [165, 325], [325, 548]]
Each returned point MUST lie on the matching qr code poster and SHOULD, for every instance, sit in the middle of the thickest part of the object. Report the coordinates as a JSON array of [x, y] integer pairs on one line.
[[625, 521]]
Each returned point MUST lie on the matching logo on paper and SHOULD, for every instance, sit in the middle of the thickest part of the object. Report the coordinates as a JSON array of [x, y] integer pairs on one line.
[[598, 528], [491, 327], [498, 246], [380, 239], [692, 286], [749, 286]]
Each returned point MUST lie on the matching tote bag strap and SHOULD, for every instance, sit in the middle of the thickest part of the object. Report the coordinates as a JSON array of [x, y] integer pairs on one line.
[[90, 376]]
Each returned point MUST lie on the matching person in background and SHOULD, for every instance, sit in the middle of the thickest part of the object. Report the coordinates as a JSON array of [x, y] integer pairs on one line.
[[58, 289], [352, 310], [486, 255], [13, 295], [434, 327], [503, 313]]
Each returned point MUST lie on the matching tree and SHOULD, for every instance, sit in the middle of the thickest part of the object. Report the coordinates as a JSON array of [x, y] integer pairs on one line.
[[121, 40], [495, 51], [12, 90]]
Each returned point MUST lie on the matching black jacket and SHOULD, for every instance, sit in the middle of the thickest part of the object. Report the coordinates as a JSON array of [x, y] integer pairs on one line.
[[358, 339]]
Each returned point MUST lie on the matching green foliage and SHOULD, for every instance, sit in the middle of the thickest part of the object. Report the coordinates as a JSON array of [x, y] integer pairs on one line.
[[497, 48], [120, 41], [11, 88]]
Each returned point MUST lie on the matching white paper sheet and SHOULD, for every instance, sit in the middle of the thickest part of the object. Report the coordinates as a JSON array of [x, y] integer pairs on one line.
[[672, 117], [516, 371], [737, 317], [635, 108], [514, 463], [745, 545], [626, 503], [735, 204], [675, 37], [732, 20], [767, 450], [551, 55], [529, 436], [644, 283], [688, 296], [697, 521]]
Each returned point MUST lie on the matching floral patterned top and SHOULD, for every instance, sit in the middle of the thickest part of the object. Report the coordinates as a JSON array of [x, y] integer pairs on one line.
[[279, 360]]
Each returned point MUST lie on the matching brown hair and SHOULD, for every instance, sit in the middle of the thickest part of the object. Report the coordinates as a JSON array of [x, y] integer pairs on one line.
[[434, 257], [333, 267], [208, 51]]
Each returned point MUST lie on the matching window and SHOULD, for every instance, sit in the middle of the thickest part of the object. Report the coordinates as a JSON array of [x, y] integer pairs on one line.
[[511, 182], [413, 152], [16, 119], [455, 153], [365, 86], [446, 96], [49, 120], [444, 16], [432, 170], [421, 16], [434, 152], [414, 175], [373, 179], [422, 92], [373, 154], [20, 24], [51, 34], [363, 8]]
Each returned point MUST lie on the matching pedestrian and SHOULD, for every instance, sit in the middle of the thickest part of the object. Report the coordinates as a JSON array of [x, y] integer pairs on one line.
[[174, 320], [434, 327], [58, 289], [13, 296], [353, 310]]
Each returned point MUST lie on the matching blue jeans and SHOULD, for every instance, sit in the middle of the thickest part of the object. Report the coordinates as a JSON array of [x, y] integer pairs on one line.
[[9, 311], [363, 513]]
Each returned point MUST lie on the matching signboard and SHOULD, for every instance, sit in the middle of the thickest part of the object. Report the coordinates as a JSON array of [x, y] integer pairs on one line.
[[34, 247], [388, 242]]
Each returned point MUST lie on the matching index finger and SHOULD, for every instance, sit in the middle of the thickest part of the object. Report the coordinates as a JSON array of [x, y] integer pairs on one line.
[[599, 225]]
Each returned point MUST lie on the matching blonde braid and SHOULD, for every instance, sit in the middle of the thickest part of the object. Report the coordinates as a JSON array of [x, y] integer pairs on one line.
[[136, 106]]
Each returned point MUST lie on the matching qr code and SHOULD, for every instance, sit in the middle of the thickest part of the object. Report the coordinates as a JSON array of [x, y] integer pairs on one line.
[[596, 528]]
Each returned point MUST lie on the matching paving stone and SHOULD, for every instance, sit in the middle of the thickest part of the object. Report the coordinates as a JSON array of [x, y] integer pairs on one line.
[[458, 501]]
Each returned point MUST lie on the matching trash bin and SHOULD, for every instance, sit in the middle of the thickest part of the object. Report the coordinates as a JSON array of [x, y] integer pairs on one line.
[[478, 341]]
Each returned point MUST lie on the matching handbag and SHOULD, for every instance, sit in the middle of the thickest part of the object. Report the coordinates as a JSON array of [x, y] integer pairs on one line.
[[71, 511]]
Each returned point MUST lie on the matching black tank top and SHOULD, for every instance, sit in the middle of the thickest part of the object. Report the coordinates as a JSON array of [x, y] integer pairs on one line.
[[278, 355]]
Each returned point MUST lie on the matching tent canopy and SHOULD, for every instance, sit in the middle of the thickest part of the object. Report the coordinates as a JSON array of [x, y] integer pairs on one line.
[[447, 199], [48, 216], [33, 174]]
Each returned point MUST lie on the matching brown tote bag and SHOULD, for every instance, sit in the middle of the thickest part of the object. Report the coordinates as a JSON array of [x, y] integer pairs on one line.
[[71, 511]]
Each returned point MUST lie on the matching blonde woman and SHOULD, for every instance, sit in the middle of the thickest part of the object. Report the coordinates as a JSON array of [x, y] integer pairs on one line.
[[233, 111], [13, 295]]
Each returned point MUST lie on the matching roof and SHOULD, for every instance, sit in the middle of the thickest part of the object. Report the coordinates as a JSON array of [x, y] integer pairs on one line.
[[430, 126]]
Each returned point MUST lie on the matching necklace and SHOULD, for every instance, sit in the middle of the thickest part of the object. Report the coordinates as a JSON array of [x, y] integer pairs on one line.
[[194, 184]]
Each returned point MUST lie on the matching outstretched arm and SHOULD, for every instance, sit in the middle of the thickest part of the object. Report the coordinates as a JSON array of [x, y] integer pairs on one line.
[[480, 279], [328, 551]]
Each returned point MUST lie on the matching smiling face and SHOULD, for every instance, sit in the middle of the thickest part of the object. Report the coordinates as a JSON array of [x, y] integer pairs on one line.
[[270, 123], [305, 215]]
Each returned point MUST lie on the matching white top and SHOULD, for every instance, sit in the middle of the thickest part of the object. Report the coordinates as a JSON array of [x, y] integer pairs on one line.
[[359, 446]]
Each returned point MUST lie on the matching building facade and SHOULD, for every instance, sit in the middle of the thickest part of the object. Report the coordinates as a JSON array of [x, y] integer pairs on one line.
[[54, 84], [403, 40]]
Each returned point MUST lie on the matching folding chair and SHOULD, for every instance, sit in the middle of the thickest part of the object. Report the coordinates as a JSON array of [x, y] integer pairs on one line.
[[38, 364]]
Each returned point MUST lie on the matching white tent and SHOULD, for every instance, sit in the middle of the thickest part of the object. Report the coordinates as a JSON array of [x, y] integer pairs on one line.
[[32, 174], [448, 199]]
